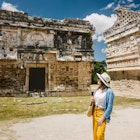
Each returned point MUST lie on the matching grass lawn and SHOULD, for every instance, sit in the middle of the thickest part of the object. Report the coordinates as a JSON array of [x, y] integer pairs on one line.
[[18, 108]]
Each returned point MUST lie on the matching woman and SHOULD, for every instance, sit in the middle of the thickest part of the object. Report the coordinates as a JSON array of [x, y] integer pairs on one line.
[[103, 98]]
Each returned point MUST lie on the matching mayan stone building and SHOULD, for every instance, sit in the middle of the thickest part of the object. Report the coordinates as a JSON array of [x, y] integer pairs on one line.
[[41, 54], [123, 52], [123, 39]]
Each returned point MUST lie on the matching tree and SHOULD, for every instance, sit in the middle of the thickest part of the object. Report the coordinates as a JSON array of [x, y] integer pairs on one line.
[[99, 67]]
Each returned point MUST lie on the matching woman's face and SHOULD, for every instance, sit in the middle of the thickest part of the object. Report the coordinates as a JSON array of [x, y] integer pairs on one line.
[[99, 82]]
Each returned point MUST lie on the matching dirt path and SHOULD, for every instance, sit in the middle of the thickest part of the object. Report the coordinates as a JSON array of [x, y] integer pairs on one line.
[[124, 125]]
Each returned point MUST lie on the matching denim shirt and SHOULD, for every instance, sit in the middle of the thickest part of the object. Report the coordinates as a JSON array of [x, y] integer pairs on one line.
[[108, 104]]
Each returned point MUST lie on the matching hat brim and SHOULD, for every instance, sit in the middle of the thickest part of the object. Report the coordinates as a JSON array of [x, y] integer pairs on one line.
[[101, 78]]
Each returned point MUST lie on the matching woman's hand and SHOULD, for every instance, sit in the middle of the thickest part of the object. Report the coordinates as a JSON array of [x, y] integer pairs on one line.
[[101, 121]]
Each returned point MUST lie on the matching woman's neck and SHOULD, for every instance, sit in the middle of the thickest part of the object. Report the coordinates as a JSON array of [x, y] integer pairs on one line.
[[102, 87]]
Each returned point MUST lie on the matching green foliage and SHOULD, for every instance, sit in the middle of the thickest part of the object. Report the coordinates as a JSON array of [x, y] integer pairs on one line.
[[99, 67]]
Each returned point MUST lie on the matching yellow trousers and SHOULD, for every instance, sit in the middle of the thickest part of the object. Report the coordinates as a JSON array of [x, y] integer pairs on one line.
[[98, 131]]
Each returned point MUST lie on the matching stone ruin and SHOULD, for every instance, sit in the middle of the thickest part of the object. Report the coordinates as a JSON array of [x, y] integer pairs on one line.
[[42, 54], [123, 52]]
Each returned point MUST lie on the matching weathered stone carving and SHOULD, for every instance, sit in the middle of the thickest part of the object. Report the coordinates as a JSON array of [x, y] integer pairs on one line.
[[8, 45], [61, 48], [123, 43]]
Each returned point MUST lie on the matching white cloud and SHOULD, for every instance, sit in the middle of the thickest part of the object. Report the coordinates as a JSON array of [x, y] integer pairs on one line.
[[101, 23], [108, 6], [118, 3], [98, 37], [128, 3], [133, 5], [9, 7], [130, 0], [123, 2], [94, 37]]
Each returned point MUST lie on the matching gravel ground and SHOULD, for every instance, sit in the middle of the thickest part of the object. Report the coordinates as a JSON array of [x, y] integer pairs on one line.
[[124, 125]]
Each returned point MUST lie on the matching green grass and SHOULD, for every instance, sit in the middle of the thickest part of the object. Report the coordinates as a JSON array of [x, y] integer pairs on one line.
[[17, 108], [126, 102]]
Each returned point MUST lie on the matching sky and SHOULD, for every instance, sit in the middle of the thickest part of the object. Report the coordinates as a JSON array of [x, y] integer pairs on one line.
[[100, 13]]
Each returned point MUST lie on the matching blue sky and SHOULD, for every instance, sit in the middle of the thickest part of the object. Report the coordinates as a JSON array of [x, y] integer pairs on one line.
[[100, 13]]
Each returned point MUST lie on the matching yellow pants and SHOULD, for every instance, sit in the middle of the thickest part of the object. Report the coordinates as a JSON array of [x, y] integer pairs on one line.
[[98, 131]]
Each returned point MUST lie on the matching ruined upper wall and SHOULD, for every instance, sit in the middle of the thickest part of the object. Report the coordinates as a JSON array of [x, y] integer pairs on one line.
[[127, 22], [22, 19], [21, 34]]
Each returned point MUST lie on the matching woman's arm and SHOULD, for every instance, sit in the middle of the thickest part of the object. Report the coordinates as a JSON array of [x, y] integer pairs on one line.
[[109, 103]]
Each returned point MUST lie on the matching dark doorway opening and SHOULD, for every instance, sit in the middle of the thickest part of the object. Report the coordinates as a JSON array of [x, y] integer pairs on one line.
[[37, 79]]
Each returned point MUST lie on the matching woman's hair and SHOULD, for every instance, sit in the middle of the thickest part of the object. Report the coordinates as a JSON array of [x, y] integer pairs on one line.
[[102, 84]]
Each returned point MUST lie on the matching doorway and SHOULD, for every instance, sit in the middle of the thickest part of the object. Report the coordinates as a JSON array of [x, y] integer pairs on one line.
[[37, 79]]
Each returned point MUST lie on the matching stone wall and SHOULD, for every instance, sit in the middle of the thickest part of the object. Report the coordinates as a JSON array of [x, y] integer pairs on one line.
[[125, 74], [63, 75], [12, 79], [123, 39], [60, 76], [127, 88], [71, 75], [61, 50]]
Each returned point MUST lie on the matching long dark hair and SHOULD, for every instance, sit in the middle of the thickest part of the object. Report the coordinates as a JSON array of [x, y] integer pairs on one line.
[[103, 85]]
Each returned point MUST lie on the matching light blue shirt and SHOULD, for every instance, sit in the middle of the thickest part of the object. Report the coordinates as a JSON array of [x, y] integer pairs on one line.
[[108, 104]]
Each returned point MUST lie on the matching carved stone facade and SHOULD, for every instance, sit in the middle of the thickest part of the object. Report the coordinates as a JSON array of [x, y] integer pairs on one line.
[[44, 54], [123, 39]]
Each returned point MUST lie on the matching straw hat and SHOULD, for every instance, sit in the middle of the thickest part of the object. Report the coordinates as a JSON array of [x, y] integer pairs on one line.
[[105, 78]]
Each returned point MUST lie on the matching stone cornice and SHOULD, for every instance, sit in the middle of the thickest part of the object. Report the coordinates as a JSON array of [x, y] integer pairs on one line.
[[23, 20], [124, 68]]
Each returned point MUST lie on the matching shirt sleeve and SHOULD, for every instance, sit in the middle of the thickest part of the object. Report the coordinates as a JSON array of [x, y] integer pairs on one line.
[[109, 103]]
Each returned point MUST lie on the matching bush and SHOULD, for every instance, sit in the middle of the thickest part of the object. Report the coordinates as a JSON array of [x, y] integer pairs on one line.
[[99, 67]]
